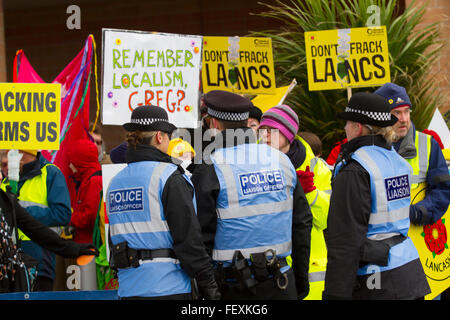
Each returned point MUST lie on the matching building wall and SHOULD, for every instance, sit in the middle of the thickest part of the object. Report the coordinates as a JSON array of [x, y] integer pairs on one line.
[[439, 11]]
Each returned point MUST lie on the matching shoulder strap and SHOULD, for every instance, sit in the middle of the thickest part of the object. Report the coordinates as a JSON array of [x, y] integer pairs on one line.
[[96, 173]]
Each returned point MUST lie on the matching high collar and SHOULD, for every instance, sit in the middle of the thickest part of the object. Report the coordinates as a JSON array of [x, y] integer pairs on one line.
[[149, 153], [233, 137], [296, 153], [356, 143], [228, 138]]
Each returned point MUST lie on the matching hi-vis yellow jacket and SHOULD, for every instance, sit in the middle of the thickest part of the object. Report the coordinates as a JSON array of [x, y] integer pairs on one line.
[[319, 201], [32, 193]]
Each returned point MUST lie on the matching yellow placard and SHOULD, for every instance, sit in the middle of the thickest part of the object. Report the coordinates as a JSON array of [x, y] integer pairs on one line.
[[432, 244], [238, 64], [30, 116], [342, 58]]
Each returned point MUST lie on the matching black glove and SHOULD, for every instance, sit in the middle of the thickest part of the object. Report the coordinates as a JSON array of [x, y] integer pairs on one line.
[[87, 249], [208, 288], [419, 215]]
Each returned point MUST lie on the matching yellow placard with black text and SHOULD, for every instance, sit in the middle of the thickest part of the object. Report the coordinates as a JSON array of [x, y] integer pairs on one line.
[[342, 58], [30, 116], [432, 244], [238, 64]]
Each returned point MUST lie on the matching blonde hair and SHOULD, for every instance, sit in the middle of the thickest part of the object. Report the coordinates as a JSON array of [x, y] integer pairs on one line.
[[388, 133], [140, 137]]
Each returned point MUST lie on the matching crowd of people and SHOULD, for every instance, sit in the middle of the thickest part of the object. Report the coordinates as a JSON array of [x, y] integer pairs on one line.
[[252, 213]]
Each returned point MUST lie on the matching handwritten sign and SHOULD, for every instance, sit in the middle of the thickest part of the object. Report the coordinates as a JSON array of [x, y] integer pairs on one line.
[[343, 58], [30, 116], [241, 65], [142, 68]]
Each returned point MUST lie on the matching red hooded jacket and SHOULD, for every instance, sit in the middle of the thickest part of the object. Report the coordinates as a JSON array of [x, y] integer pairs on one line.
[[85, 203]]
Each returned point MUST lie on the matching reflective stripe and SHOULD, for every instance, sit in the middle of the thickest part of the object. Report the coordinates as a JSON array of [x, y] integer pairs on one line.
[[135, 227], [316, 276], [223, 255], [156, 260], [26, 204], [382, 236], [156, 223], [423, 157], [315, 199], [389, 217], [420, 162], [255, 210], [313, 163], [381, 202]]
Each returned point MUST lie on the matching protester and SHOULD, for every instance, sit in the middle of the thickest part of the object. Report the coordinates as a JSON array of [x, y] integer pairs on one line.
[[83, 158], [370, 255], [245, 222], [155, 235], [430, 185], [97, 137], [42, 191], [15, 266], [279, 126]]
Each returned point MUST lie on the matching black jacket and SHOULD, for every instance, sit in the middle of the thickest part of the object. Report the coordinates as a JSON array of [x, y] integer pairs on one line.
[[348, 219], [177, 200], [207, 189], [12, 217]]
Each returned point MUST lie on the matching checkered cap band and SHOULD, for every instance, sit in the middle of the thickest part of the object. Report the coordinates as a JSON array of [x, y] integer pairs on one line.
[[228, 116], [147, 121], [379, 116]]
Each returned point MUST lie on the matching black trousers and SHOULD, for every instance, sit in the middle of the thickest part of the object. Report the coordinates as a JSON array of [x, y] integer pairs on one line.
[[266, 290]]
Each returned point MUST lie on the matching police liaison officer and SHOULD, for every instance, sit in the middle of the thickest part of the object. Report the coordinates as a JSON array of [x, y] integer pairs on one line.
[[155, 234], [252, 210], [370, 255]]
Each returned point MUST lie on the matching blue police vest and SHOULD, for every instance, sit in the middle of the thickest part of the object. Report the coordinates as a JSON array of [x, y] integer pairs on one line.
[[390, 185], [255, 201], [135, 212]]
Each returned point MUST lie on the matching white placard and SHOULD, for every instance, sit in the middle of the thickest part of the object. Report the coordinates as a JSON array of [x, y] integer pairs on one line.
[[143, 68]]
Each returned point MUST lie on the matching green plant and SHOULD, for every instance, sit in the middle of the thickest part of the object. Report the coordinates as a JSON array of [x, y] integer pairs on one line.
[[412, 50]]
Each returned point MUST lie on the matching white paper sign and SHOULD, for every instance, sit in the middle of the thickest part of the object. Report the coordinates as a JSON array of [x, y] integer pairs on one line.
[[143, 68]]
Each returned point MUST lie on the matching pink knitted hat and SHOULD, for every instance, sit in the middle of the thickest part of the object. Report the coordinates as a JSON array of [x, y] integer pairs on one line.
[[283, 118]]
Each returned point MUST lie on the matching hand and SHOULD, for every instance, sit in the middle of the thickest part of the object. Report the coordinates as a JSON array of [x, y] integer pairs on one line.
[[87, 249], [419, 215], [306, 179], [208, 288]]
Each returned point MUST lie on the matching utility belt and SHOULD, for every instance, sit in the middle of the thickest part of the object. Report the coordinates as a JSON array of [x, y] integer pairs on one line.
[[126, 257], [377, 251], [261, 269]]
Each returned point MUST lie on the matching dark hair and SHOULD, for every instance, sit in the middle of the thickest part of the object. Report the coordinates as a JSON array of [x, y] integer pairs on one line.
[[233, 124], [313, 141]]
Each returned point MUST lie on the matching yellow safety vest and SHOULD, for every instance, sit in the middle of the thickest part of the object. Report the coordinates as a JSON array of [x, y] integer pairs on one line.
[[319, 201], [32, 193], [419, 165]]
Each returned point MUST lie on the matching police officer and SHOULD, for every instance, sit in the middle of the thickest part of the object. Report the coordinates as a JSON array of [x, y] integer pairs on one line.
[[430, 186], [155, 235], [370, 255], [252, 210]]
